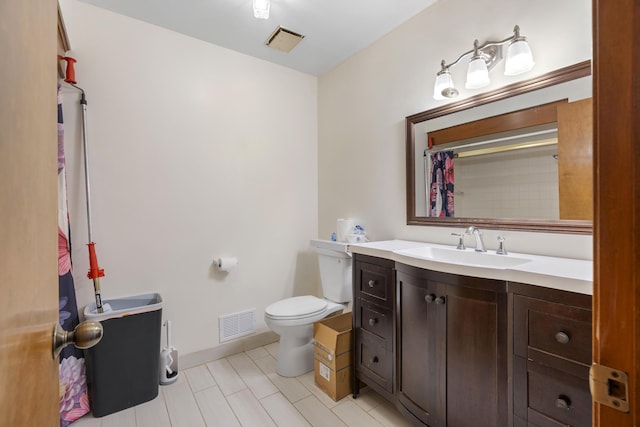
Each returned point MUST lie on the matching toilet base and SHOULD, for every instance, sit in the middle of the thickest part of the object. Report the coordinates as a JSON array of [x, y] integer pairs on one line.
[[295, 357], [295, 351]]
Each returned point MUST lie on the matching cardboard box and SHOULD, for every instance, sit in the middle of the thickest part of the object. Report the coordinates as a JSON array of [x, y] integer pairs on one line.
[[336, 384], [332, 355]]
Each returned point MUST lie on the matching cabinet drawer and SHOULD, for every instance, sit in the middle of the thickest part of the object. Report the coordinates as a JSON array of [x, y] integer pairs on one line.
[[376, 320], [556, 398], [553, 328], [374, 283], [374, 359]]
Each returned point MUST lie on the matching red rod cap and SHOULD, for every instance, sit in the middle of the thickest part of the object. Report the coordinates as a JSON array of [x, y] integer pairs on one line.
[[94, 270], [71, 72]]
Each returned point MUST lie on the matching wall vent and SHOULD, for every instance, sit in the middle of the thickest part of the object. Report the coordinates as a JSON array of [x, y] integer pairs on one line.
[[237, 325]]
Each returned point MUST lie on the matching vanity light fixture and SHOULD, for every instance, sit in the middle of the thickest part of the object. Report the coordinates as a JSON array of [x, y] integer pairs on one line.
[[519, 60], [261, 9]]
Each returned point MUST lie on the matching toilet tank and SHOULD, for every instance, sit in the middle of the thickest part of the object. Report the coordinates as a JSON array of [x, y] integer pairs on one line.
[[335, 270]]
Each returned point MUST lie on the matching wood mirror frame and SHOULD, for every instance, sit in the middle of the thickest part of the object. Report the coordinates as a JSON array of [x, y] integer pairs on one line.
[[562, 75]]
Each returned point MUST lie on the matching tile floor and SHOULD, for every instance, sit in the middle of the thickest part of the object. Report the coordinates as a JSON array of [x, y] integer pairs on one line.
[[244, 390]]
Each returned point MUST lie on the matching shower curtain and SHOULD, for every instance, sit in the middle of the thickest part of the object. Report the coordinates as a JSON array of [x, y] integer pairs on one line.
[[74, 401], [441, 181]]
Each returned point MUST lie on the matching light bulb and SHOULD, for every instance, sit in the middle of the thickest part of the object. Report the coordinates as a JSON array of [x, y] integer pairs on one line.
[[519, 58], [443, 87], [477, 73], [443, 81]]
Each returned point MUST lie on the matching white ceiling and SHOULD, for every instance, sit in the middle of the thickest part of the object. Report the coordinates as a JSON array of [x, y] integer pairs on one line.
[[333, 29]]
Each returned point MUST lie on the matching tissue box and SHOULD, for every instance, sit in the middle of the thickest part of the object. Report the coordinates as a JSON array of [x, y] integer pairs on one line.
[[332, 355]]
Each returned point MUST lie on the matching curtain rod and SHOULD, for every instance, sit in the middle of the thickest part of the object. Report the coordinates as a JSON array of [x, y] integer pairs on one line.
[[492, 141], [493, 150]]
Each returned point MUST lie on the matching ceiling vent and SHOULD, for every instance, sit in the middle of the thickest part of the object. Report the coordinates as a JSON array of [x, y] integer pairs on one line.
[[283, 40]]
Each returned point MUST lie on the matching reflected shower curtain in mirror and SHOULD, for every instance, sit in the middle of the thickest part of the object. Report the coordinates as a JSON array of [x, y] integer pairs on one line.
[[441, 181], [74, 401]]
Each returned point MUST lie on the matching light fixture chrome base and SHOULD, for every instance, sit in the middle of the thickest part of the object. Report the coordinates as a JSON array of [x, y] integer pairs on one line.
[[450, 92], [491, 55]]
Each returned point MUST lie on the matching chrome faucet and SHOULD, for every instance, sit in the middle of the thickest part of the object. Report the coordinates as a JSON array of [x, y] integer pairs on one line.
[[501, 248], [460, 237], [478, 235]]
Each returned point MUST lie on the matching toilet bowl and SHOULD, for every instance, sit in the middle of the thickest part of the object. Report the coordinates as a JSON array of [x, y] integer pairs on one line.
[[293, 318]]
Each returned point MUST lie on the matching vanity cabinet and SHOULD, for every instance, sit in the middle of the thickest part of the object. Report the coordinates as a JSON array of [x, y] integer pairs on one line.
[[551, 357], [374, 324], [452, 348]]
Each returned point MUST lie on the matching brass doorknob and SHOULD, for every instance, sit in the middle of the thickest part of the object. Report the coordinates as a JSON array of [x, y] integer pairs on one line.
[[85, 335]]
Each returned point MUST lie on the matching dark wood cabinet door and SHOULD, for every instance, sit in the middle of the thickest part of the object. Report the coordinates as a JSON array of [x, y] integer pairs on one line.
[[419, 368], [476, 356], [452, 330]]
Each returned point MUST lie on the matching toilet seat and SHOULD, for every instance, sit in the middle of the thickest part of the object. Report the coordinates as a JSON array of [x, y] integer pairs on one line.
[[296, 308]]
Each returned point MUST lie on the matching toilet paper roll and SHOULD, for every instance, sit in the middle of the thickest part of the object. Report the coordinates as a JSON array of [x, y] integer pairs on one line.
[[226, 263], [344, 228]]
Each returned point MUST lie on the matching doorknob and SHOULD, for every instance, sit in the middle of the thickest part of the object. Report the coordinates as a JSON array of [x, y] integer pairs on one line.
[[85, 335]]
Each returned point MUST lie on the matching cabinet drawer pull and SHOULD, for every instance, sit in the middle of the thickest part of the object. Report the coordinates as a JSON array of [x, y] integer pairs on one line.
[[372, 283], [563, 402], [440, 300], [373, 360], [562, 337], [372, 321], [430, 298]]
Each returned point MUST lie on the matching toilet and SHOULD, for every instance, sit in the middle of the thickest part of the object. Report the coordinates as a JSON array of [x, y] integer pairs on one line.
[[293, 318]]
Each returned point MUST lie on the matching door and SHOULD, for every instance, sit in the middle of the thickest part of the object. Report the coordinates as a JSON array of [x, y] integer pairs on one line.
[[453, 348], [575, 159], [476, 354], [28, 205], [420, 371], [616, 299]]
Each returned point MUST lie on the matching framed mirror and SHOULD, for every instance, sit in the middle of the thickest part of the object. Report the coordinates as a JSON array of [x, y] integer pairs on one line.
[[567, 84]]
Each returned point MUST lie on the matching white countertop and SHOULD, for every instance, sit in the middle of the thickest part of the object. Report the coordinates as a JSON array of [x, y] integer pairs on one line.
[[566, 274]]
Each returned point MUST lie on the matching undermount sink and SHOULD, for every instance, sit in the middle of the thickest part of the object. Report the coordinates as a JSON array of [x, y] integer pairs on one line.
[[467, 257]]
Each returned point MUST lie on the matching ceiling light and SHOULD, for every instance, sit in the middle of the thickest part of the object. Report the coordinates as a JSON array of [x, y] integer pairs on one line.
[[261, 9], [519, 60]]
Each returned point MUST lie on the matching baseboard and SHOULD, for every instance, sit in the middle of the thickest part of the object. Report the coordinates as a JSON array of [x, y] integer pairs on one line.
[[258, 339]]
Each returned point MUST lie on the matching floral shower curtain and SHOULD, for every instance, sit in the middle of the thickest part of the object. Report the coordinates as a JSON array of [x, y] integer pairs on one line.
[[74, 401], [441, 180]]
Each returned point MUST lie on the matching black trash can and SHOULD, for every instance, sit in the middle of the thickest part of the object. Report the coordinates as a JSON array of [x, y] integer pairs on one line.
[[123, 369]]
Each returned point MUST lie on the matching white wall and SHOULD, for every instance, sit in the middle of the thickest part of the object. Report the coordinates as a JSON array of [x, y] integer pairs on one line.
[[363, 103], [195, 152]]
